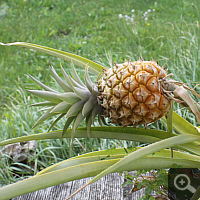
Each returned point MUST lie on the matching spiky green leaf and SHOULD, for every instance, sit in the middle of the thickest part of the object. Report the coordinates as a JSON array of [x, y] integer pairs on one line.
[[69, 97], [80, 117], [82, 94], [62, 107], [45, 103], [76, 77], [66, 76], [67, 124], [75, 84], [89, 105], [45, 116], [47, 95], [54, 123], [42, 85], [60, 82], [96, 110], [75, 109]]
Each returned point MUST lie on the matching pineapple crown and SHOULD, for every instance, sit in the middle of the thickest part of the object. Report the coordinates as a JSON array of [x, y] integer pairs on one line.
[[78, 102]]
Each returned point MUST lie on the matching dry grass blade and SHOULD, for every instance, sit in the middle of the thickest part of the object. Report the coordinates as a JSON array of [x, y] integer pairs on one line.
[[183, 94]]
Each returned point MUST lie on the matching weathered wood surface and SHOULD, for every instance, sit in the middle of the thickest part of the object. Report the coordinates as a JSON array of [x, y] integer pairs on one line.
[[107, 188]]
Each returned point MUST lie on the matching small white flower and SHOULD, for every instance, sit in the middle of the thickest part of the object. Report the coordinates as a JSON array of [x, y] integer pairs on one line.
[[133, 16], [120, 16], [126, 16], [89, 14], [126, 19], [132, 10], [153, 10], [149, 10], [131, 19], [128, 23], [146, 18]]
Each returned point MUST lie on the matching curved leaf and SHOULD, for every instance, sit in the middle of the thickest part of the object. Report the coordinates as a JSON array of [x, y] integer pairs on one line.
[[115, 154], [139, 134], [151, 148], [77, 60], [116, 132], [87, 170], [183, 126], [77, 161]]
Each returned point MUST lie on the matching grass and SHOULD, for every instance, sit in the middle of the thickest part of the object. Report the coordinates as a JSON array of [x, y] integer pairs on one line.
[[92, 29]]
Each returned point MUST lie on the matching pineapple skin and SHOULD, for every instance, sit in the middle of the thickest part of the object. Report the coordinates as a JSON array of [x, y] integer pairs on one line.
[[131, 93]]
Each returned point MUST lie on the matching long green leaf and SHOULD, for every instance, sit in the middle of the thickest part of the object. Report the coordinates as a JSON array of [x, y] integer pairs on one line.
[[151, 148], [54, 178], [122, 151], [77, 60], [77, 161], [183, 126], [132, 134], [139, 134], [114, 154], [87, 170]]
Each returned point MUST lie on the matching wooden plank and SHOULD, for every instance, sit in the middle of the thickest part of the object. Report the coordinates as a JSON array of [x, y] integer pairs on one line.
[[57, 192], [107, 188]]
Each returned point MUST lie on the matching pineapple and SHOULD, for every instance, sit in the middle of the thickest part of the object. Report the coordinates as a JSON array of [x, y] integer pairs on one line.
[[129, 94]]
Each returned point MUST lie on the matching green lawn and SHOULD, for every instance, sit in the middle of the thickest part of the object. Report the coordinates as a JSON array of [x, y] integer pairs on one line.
[[167, 31]]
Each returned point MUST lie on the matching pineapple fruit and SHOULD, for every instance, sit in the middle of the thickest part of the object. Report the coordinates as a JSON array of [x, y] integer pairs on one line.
[[129, 94]]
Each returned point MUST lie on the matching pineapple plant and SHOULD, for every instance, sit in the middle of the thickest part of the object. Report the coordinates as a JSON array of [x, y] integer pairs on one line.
[[129, 94]]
